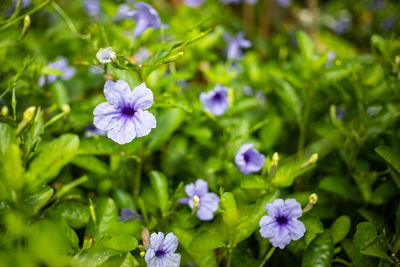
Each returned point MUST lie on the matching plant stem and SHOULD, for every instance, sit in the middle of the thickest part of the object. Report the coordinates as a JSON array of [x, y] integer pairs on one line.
[[138, 174], [267, 256]]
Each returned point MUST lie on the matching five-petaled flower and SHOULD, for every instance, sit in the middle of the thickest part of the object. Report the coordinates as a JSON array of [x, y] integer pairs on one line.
[[199, 199], [281, 225], [105, 55], [248, 159], [216, 101], [145, 17], [60, 64], [123, 116], [160, 253], [235, 45]]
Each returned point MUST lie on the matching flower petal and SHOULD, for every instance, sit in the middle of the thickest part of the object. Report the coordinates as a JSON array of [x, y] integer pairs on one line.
[[117, 93], [106, 117], [173, 260], [170, 243], [142, 97], [296, 229], [157, 241], [124, 132], [201, 187], [144, 121], [274, 208], [293, 208]]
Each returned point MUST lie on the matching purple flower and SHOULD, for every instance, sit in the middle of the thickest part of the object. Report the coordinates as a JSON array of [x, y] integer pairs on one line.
[[24, 3], [141, 55], [161, 251], [62, 65], [123, 116], [248, 159], [281, 225], [199, 198], [91, 131], [92, 7], [145, 17], [340, 113], [194, 3], [105, 55], [235, 45], [251, 2], [283, 3], [341, 26], [215, 101], [388, 23], [128, 214], [124, 11]]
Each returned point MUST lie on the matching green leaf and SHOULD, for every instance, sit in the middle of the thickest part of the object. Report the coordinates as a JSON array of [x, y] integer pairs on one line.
[[12, 167], [160, 186], [121, 242], [106, 214], [313, 225], [205, 240], [95, 256], [340, 228], [340, 186], [230, 214], [253, 182], [34, 202], [75, 214], [391, 156], [369, 243], [7, 136], [306, 45], [121, 260], [251, 217], [320, 252], [167, 124], [90, 163], [53, 157]]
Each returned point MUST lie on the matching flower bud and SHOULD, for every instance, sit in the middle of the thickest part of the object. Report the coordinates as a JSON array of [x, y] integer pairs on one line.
[[29, 113], [145, 237], [196, 202], [313, 199], [312, 160], [142, 253], [4, 111], [274, 165], [66, 108]]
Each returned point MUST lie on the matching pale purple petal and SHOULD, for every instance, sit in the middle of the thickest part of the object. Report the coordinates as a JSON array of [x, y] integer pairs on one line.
[[293, 208], [194, 3], [204, 214], [142, 97], [296, 229], [145, 16], [157, 241], [117, 93], [201, 187], [124, 132], [190, 190], [235, 45], [173, 260], [106, 117], [170, 243], [274, 209], [144, 121]]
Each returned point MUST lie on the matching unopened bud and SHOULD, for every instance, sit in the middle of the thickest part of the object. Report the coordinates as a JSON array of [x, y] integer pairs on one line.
[[4, 111], [145, 237], [397, 60], [196, 202], [142, 253], [313, 199], [274, 165], [29, 113], [313, 159], [66, 108], [27, 21]]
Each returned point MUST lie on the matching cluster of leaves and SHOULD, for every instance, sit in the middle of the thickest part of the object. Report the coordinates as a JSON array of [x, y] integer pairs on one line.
[[61, 192]]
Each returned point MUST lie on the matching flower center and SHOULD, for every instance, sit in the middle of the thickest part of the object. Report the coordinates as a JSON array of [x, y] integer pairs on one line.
[[160, 253], [246, 158], [282, 220], [128, 111], [218, 97]]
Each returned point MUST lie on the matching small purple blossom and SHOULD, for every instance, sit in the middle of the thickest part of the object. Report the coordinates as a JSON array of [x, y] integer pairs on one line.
[[161, 251], [340, 113], [247, 90], [235, 45], [215, 101], [199, 198], [105, 55], [388, 23], [124, 12], [62, 65], [123, 116], [194, 3], [341, 26], [145, 17], [92, 7], [24, 3], [128, 214], [248, 159], [141, 55], [283, 3], [227, 2], [91, 131], [281, 225]]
